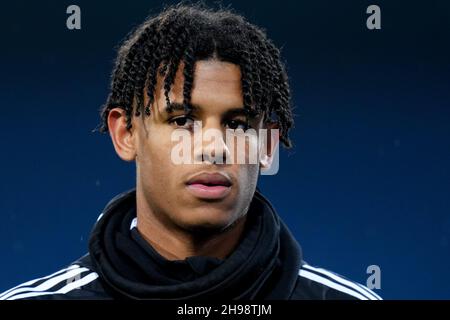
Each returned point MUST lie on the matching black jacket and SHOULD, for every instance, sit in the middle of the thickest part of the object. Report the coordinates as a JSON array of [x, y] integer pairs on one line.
[[267, 264]]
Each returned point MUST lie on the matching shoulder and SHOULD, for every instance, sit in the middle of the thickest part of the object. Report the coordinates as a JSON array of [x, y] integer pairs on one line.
[[321, 284], [76, 281]]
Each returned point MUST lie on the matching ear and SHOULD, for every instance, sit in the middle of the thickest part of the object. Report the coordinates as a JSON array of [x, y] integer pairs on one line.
[[122, 138], [268, 149]]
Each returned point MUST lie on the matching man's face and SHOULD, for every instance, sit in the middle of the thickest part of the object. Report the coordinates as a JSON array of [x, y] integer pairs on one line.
[[175, 192]]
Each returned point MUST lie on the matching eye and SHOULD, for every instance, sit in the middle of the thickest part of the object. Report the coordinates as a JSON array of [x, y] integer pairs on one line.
[[182, 122], [238, 124]]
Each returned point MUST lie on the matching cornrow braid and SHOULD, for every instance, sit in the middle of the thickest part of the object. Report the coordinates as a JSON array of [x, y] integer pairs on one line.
[[184, 34]]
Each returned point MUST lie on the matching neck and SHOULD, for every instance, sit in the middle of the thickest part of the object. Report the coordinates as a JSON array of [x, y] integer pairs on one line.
[[175, 243]]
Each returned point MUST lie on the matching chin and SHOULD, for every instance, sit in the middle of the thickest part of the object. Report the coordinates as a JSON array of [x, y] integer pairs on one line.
[[207, 221]]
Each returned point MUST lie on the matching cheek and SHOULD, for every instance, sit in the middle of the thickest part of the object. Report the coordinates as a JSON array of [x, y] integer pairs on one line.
[[248, 177], [155, 163]]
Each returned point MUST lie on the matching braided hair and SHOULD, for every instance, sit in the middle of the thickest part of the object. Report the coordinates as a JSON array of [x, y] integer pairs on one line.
[[194, 32]]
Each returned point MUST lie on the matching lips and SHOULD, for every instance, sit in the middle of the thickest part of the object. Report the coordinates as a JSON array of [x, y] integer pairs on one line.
[[210, 179], [209, 185]]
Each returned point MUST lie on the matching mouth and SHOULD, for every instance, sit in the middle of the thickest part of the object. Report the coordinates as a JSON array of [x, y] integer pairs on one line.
[[209, 185]]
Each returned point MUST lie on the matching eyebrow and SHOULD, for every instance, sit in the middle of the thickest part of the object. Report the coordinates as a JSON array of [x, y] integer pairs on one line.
[[176, 106]]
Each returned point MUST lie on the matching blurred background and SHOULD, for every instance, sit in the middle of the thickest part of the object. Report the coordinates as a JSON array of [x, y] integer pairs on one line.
[[368, 182]]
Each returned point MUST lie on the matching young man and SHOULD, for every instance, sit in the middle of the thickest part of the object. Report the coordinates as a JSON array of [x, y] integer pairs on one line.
[[197, 230]]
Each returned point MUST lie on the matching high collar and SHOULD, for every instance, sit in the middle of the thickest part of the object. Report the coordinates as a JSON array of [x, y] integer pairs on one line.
[[264, 265]]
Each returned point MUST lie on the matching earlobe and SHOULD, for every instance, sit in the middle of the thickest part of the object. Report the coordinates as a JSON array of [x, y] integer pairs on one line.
[[265, 161], [122, 138], [269, 145]]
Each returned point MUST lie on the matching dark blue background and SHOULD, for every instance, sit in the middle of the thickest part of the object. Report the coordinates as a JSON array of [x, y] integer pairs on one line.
[[367, 183]]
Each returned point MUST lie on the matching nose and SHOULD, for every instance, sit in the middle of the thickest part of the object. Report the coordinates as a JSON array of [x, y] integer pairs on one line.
[[212, 140]]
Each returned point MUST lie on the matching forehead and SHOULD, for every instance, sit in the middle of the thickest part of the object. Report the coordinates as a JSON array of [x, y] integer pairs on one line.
[[215, 84]]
